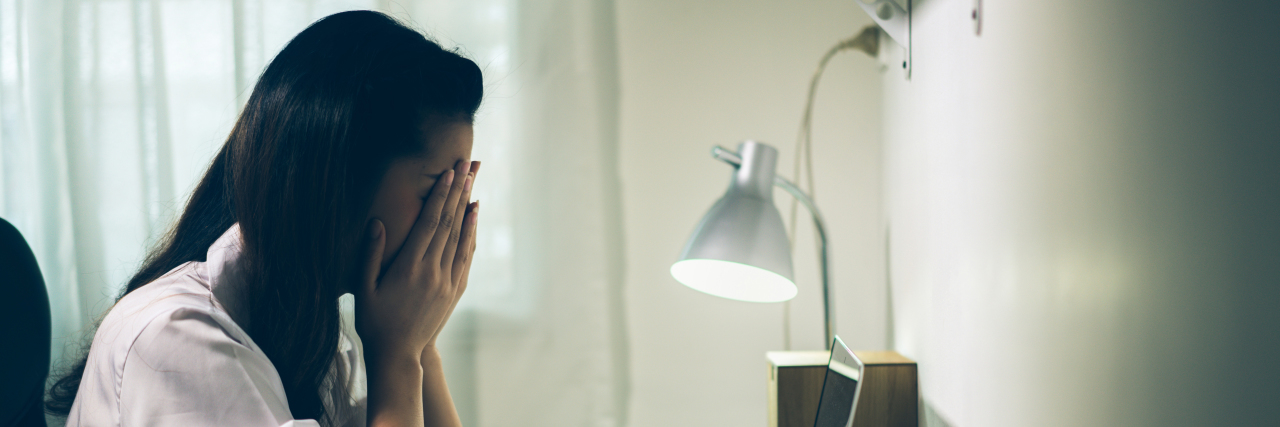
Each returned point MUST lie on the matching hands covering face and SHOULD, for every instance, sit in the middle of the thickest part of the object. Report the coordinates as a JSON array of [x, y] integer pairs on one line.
[[403, 311]]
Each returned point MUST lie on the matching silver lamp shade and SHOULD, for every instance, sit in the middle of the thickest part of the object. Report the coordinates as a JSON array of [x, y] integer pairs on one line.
[[740, 249]]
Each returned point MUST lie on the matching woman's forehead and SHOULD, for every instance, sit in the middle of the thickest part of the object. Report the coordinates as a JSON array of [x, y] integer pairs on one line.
[[444, 144]]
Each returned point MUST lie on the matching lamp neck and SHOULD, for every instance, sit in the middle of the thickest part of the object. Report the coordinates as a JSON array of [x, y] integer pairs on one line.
[[756, 170]]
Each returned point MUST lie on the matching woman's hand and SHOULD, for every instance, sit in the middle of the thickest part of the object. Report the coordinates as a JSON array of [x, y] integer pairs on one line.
[[402, 313], [462, 262]]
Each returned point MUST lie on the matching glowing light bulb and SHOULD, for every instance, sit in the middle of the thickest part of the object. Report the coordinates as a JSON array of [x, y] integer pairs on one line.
[[732, 280]]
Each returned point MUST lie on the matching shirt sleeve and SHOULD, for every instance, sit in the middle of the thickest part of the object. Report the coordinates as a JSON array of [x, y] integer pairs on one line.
[[185, 370], [347, 397]]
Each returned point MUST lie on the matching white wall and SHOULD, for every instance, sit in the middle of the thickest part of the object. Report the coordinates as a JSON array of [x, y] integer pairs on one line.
[[696, 74], [1085, 213]]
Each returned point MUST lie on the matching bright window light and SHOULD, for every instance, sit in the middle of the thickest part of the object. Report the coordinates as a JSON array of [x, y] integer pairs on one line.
[[733, 280]]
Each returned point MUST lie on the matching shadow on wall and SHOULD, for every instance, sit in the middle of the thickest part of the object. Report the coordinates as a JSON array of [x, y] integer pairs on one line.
[[931, 417]]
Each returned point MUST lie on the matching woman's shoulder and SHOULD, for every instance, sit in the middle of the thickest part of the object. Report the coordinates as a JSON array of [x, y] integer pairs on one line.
[[181, 288], [180, 298], [169, 351]]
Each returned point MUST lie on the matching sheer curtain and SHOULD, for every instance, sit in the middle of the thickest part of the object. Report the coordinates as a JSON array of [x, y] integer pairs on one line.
[[111, 109]]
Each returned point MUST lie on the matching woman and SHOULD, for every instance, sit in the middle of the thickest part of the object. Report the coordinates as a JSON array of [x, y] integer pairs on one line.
[[345, 173]]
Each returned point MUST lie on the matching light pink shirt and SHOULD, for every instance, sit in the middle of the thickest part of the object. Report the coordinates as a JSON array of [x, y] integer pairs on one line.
[[171, 354]]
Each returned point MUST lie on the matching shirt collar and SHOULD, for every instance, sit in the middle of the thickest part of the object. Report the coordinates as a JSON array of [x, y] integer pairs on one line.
[[226, 280]]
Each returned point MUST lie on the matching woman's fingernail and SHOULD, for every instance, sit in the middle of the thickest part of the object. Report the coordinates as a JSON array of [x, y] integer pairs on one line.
[[448, 178], [374, 230], [467, 186]]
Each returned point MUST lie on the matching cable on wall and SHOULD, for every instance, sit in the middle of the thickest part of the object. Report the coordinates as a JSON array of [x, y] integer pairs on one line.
[[866, 41]]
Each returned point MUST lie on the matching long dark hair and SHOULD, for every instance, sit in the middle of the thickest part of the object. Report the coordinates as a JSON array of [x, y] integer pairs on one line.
[[298, 172]]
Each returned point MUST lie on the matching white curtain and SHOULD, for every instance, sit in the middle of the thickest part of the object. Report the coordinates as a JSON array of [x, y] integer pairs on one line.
[[111, 109]]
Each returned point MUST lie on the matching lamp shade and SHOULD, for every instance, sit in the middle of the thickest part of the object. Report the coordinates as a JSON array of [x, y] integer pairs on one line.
[[740, 248]]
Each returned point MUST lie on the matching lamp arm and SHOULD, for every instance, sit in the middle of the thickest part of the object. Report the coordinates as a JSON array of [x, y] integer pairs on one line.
[[824, 254], [724, 155]]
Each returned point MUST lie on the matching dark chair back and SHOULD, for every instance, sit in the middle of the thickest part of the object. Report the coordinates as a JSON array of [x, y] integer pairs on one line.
[[24, 318]]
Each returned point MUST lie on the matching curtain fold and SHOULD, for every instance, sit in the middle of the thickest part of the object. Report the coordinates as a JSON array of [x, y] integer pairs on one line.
[[562, 328], [111, 109]]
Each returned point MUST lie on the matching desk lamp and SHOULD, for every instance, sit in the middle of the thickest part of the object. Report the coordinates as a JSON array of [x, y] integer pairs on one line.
[[740, 249]]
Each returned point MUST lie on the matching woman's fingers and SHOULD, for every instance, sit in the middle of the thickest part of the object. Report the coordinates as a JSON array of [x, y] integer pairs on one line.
[[424, 229], [464, 205], [471, 252], [448, 215], [467, 238], [465, 269], [374, 242]]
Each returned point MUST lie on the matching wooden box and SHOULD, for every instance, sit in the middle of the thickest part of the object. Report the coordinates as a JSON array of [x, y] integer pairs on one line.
[[795, 384], [888, 394]]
